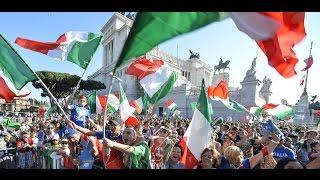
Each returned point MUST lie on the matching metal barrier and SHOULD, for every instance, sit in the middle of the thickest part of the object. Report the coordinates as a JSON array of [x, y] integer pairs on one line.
[[8, 158], [41, 159]]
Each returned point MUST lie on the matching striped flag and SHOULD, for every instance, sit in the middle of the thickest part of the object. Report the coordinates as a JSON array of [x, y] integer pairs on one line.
[[155, 76], [197, 136], [280, 111], [98, 103], [126, 113], [137, 105], [14, 73], [171, 105], [74, 46]]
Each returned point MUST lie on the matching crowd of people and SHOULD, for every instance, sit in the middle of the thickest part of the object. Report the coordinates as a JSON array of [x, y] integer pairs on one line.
[[82, 143]]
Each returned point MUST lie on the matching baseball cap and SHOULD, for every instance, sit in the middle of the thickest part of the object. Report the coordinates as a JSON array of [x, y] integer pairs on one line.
[[69, 132]]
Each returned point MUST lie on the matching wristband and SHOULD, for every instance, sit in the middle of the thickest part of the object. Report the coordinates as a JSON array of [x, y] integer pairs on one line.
[[265, 151]]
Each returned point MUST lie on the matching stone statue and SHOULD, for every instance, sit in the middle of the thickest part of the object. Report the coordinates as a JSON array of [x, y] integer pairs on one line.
[[130, 16], [251, 73], [222, 65], [313, 98], [193, 55], [266, 84]]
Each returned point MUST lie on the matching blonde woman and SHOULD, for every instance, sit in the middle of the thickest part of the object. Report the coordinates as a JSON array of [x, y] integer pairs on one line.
[[235, 160]]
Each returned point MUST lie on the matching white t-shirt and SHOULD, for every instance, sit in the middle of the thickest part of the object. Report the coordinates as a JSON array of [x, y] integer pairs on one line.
[[35, 141]]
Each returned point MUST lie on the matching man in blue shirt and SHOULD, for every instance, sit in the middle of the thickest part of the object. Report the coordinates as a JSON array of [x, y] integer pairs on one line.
[[282, 151], [79, 113]]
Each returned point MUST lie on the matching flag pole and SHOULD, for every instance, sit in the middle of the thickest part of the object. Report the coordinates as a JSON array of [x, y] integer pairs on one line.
[[305, 86], [78, 84], [106, 107], [51, 95]]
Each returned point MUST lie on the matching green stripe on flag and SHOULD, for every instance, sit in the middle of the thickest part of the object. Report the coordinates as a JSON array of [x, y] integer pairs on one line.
[[193, 105], [285, 114], [146, 102], [50, 111], [82, 52], [92, 102], [13, 66], [202, 104], [111, 109], [234, 105], [165, 88], [152, 28]]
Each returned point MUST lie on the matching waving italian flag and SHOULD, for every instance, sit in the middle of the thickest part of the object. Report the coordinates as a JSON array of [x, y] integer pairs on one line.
[[98, 103], [155, 76], [171, 105], [74, 46], [14, 73], [125, 109], [280, 111], [197, 136]]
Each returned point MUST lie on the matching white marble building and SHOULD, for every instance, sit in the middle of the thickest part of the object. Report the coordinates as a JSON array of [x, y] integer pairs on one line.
[[193, 71]]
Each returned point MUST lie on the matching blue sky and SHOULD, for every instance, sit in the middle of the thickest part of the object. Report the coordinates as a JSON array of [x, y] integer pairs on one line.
[[217, 40]]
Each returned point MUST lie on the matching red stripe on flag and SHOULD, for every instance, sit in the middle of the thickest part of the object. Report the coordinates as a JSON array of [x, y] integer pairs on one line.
[[62, 38], [188, 158], [36, 45], [142, 67], [102, 101], [269, 106], [134, 104], [6, 93], [169, 102]]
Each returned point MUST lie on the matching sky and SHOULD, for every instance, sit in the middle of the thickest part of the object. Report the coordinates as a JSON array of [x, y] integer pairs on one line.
[[216, 40]]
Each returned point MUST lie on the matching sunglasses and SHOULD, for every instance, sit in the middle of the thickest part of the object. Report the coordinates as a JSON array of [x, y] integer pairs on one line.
[[64, 142]]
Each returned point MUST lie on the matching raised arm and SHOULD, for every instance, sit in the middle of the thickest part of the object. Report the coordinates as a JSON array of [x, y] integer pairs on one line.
[[254, 160], [81, 129], [118, 146]]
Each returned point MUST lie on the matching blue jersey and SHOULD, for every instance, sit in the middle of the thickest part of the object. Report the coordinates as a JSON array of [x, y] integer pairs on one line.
[[282, 152], [108, 134], [79, 115]]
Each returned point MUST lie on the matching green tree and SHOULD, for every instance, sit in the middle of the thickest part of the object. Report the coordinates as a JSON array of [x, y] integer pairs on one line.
[[62, 85]]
